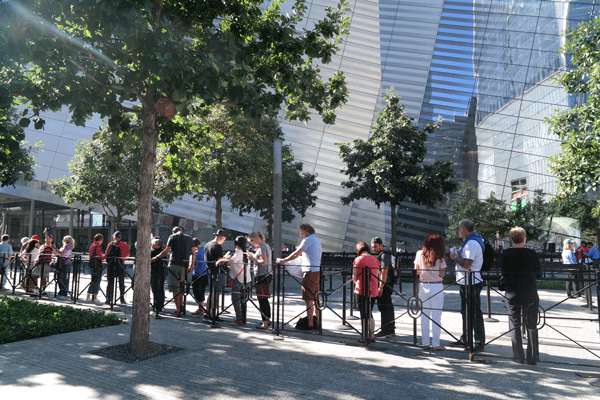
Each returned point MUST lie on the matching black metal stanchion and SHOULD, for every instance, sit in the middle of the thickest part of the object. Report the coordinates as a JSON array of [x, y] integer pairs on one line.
[[344, 325], [489, 302], [470, 314], [415, 285]]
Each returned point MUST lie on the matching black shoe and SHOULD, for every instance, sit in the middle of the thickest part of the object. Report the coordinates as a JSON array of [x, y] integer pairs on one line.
[[157, 316], [123, 301], [382, 334], [458, 343], [479, 348]]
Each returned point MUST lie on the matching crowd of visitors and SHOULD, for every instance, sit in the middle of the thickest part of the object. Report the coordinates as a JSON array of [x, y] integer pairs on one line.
[[373, 274]]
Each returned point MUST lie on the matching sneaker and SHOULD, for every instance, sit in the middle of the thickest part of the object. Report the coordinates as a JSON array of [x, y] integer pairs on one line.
[[61, 297], [479, 348], [458, 343], [382, 334], [157, 316], [438, 348]]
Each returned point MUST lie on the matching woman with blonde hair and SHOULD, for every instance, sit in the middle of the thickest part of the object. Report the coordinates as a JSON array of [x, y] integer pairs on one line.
[[430, 263], [63, 264]]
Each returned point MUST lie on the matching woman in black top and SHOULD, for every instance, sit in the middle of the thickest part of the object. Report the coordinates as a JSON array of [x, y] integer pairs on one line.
[[520, 268]]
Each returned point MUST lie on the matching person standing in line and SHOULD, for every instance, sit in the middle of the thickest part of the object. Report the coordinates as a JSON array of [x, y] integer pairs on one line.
[[6, 254], [116, 253], [181, 247], [520, 268], [157, 277], [593, 254], [430, 263], [385, 290], [28, 255], [311, 274], [199, 279], [240, 275], [213, 253], [42, 264], [264, 259], [469, 261], [365, 274], [570, 262], [96, 267], [63, 265]]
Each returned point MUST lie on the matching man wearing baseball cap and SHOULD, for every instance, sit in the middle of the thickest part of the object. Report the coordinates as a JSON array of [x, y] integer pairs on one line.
[[385, 288]]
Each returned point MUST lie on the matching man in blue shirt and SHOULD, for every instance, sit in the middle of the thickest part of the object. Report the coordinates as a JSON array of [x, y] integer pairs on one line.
[[311, 274], [594, 254], [6, 253]]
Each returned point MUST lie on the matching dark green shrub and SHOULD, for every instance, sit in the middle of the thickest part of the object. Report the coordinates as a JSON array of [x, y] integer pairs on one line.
[[21, 319]]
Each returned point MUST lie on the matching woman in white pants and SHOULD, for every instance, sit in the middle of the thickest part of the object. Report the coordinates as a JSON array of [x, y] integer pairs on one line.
[[430, 263]]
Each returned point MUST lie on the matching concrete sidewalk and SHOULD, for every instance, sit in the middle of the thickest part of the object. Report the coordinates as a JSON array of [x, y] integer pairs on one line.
[[242, 362]]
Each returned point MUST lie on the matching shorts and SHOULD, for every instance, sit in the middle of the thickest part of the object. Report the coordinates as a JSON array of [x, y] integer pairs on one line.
[[263, 284], [199, 284], [363, 306], [219, 282], [176, 275], [310, 285], [37, 270]]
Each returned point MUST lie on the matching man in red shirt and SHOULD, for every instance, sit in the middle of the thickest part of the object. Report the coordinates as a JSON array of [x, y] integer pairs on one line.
[[116, 253]]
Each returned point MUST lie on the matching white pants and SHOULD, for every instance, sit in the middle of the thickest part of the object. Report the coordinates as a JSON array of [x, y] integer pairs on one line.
[[432, 296]]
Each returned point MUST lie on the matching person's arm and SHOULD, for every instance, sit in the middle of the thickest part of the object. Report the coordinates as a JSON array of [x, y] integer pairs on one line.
[[193, 259], [385, 266], [163, 253], [442, 268], [292, 256], [62, 251]]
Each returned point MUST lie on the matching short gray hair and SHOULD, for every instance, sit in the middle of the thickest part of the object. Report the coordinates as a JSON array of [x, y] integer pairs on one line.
[[467, 224]]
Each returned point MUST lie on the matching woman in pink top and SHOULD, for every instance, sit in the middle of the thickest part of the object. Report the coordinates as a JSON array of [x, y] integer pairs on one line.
[[364, 275], [430, 263]]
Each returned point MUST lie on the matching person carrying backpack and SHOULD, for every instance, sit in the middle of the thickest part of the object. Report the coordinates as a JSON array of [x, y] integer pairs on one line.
[[116, 253], [96, 267], [385, 288], [469, 261]]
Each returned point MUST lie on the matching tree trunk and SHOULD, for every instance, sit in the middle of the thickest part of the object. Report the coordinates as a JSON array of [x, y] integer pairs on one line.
[[393, 238], [140, 322], [219, 211]]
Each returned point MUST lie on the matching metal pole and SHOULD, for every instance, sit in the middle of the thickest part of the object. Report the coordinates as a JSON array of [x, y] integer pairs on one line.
[[277, 197], [31, 217], [71, 222]]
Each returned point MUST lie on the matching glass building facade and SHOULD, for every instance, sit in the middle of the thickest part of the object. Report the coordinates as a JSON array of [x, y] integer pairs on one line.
[[485, 66]]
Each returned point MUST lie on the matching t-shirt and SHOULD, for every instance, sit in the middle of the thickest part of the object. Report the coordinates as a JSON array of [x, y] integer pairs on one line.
[[5, 252], [181, 249], [568, 257], [67, 256], [312, 248], [427, 273], [370, 265], [159, 263], [200, 264], [265, 251], [470, 251], [212, 252], [236, 265]]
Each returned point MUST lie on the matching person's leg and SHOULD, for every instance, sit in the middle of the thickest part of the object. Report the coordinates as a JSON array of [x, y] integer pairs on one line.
[[236, 300], [386, 308], [110, 282], [531, 314], [479, 325], [514, 324], [63, 277], [425, 313], [437, 304], [463, 312], [121, 272]]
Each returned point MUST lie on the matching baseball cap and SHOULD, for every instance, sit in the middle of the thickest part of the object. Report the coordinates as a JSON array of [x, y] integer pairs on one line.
[[35, 237], [221, 232], [377, 240], [567, 241], [117, 234]]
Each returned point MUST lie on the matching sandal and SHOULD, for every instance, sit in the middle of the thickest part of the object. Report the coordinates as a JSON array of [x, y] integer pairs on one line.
[[178, 314]]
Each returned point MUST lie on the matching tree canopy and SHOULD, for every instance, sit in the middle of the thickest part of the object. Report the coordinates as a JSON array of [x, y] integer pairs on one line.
[[155, 59], [577, 165], [389, 167], [16, 160]]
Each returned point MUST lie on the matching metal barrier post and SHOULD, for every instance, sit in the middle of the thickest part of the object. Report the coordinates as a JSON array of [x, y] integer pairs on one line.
[[588, 291], [415, 295], [489, 303]]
